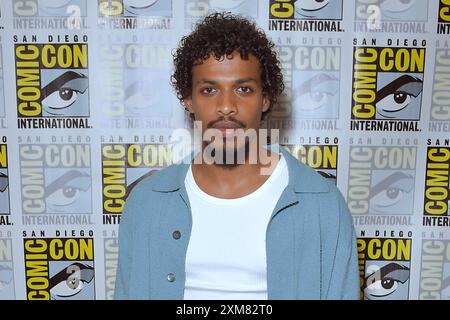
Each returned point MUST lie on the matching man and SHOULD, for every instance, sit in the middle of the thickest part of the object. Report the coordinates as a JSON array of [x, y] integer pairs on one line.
[[210, 229]]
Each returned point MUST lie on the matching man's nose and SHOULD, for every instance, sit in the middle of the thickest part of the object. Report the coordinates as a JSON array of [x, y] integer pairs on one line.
[[226, 104]]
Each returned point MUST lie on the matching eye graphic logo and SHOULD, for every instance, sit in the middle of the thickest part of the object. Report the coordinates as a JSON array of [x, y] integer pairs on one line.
[[125, 165], [59, 268], [68, 191], [64, 93], [381, 180], [49, 8], [391, 192], [130, 8], [144, 94], [6, 280], [316, 82], [318, 9], [384, 281], [384, 266], [399, 98], [196, 9], [314, 91], [392, 10], [72, 281], [4, 181], [306, 9], [6, 270], [56, 179], [248, 8]]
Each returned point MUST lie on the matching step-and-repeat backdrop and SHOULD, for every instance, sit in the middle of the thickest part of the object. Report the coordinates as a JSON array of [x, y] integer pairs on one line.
[[86, 110]]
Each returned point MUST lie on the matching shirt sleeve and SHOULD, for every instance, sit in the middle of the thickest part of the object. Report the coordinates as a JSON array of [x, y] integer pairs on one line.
[[344, 284], [122, 290]]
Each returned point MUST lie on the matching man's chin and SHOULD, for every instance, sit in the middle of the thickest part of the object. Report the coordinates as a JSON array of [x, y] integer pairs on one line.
[[228, 153]]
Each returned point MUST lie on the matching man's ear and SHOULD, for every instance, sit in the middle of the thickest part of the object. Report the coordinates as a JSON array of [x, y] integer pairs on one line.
[[187, 102], [266, 103]]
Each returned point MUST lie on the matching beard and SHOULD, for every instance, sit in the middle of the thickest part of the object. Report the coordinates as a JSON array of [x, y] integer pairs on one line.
[[229, 153]]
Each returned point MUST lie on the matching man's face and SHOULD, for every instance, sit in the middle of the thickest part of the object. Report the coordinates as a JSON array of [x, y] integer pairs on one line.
[[227, 95]]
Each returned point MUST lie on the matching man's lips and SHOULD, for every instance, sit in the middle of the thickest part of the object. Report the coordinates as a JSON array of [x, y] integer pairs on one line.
[[226, 127]]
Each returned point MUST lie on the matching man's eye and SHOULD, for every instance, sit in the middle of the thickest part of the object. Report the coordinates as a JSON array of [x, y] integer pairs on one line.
[[244, 89], [207, 90]]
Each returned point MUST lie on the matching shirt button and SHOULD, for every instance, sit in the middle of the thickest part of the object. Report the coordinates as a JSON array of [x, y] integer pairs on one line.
[[176, 234], [171, 277]]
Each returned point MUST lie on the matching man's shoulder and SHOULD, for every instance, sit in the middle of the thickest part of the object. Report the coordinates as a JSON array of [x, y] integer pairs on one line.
[[306, 179], [157, 180]]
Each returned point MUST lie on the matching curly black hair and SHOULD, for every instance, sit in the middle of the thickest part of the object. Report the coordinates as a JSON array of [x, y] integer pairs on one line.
[[221, 34]]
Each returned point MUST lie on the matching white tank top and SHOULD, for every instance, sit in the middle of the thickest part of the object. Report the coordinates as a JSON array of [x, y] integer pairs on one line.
[[226, 255]]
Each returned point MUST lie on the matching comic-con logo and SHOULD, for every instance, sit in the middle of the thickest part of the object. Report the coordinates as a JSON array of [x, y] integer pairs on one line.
[[135, 14], [440, 100], [305, 15], [384, 268], [437, 175], [444, 17], [111, 257], [312, 81], [381, 180], [4, 180], [52, 85], [435, 270], [59, 268], [391, 16], [49, 14], [387, 88], [55, 178], [136, 86], [125, 165], [196, 9], [322, 158], [6, 270]]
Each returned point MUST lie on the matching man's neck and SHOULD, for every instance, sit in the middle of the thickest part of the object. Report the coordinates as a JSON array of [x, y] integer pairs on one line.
[[233, 181]]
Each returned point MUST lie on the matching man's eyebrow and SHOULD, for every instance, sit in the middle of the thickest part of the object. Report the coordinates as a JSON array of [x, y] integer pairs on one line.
[[246, 80], [243, 80], [206, 81]]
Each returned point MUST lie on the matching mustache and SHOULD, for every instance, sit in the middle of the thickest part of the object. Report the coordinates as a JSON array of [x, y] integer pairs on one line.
[[229, 120]]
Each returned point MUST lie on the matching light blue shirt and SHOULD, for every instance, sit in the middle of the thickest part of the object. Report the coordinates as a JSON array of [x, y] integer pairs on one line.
[[310, 241]]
